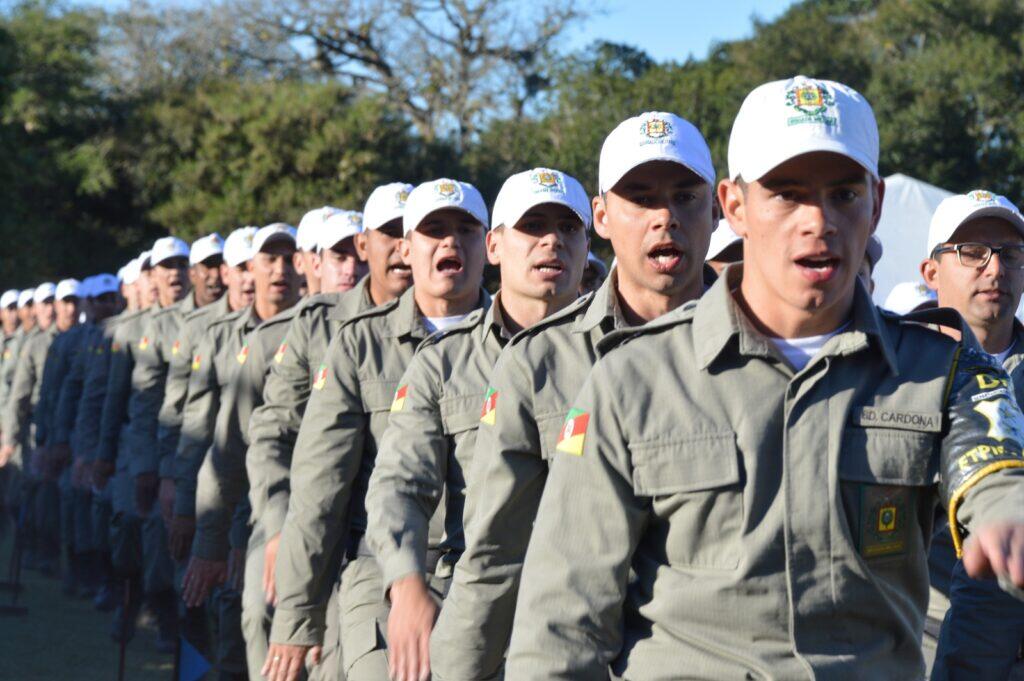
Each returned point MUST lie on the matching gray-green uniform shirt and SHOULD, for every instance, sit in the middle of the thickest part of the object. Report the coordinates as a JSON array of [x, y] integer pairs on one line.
[[223, 483], [348, 410], [426, 450], [9, 362], [274, 425], [25, 387], [534, 382], [774, 521], [81, 355], [211, 369], [179, 370], [114, 415], [149, 377], [59, 358], [94, 389]]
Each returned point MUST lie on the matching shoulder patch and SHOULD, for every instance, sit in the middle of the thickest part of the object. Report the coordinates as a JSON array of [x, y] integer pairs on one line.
[[320, 378], [243, 354], [197, 361], [489, 412], [570, 440], [281, 350], [399, 402]]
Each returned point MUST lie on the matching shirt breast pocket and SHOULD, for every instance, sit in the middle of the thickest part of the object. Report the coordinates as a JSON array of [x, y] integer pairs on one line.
[[695, 484], [884, 475]]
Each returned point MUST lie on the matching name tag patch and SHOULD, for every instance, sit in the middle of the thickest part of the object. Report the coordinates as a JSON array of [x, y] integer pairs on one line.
[[930, 422]]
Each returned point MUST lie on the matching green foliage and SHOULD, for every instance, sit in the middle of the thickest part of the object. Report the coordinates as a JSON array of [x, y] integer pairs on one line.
[[93, 166]]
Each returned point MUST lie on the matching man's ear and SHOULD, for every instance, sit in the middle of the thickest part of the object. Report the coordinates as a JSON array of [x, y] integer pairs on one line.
[[930, 273], [492, 242], [599, 206], [360, 243], [733, 203], [298, 262]]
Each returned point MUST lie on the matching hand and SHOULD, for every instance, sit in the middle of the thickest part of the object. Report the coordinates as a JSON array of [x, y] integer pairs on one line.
[[270, 568], [285, 662], [181, 533], [166, 497], [6, 452], [236, 569], [998, 550], [200, 578], [412, 617], [101, 472], [145, 492]]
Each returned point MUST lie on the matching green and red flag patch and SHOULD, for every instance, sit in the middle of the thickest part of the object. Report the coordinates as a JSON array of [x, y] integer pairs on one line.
[[570, 440], [279, 355], [490, 410], [399, 402], [243, 354], [320, 378], [143, 343], [197, 361], [176, 348]]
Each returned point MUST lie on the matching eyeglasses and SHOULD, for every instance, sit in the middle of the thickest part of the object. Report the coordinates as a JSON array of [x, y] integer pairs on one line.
[[973, 254]]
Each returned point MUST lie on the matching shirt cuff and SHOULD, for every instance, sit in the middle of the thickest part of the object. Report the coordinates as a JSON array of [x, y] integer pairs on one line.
[[298, 627]]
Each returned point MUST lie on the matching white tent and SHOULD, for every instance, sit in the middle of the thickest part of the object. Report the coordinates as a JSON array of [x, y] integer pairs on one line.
[[903, 229]]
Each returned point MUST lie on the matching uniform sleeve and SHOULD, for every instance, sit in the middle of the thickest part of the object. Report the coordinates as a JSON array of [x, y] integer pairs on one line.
[[148, 378], [274, 427], [505, 483], [42, 414], [568, 624], [197, 422], [115, 401], [408, 475], [19, 400], [226, 460], [71, 390], [326, 460], [169, 418], [90, 407], [981, 462]]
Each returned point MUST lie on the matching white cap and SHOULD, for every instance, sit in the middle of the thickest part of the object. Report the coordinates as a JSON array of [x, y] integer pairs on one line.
[[907, 296], [786, 118], [721, 239], [439, 195], [26, 297], [44, 291], [168, 247], [9, 298], [145, 260], [67, 288], [307, 237], [653, 136], [530, 188], [958, 209], [101, 284], [385, 204], [340, 226], [132, 270], [277, 231], [120, 272], [205, 247], [238, 246]]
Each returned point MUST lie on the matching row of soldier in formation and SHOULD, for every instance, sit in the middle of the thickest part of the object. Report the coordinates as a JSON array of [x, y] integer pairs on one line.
[[695, 470]]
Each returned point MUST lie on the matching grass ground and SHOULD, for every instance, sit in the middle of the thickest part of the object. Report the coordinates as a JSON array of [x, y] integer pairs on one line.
[[65, 638]]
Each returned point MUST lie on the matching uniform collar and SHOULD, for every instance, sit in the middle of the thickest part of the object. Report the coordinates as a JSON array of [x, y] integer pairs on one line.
[[604, 307], [494, 323], [188, 303], [407, 320], [361, 292], [718, 319]]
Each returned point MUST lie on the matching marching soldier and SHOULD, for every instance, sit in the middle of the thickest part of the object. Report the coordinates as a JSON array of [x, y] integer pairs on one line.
[[353, 392], [307, 237], [8, 471], [778, 488], [539, 241], [656, 206]]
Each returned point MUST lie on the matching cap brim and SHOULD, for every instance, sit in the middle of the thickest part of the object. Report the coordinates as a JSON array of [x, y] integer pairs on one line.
[[586, 220], [811, 145], [273, 238], [658, 157], [1000, 212]]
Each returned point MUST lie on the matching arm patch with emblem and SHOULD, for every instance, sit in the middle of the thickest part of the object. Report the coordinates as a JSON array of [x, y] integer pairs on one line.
[[986, 430]]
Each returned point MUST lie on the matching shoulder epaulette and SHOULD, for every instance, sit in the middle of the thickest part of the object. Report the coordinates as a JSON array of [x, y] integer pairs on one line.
[[378, 311], [319, 300], [566, 314]]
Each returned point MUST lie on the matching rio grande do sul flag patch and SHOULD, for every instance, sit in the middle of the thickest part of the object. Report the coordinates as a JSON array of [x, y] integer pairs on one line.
[[570, 440], [400, 395], [279, 355], [243, 354], [490, 409], [320, 378]]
